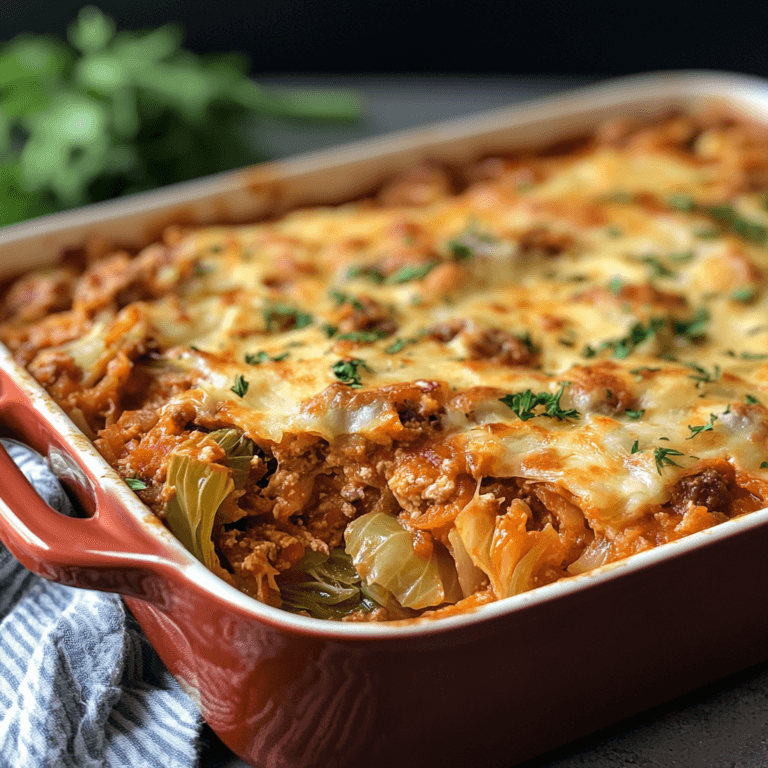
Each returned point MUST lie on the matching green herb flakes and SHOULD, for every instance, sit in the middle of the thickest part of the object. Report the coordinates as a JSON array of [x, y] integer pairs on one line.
[[240, 387], [703, 428], [523, 405], [135, 484], [661, 457], [347, 371], [634, 414], [263, 357]]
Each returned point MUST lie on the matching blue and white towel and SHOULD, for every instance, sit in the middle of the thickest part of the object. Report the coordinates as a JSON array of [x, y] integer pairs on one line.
[[80, 686]]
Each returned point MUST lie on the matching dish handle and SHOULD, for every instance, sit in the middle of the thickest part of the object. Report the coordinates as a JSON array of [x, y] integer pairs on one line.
[[107, 551]]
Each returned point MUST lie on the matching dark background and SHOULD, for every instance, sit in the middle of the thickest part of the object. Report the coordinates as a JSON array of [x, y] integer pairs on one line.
[[501, 37]]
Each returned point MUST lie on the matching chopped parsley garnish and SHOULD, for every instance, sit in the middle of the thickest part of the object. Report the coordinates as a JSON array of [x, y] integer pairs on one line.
[[523, 404], [764, 465], [614, 232], [615, 285], [363, 337], [694, 328], [339, 298], [724, 215], [240, 387], [683, 257], [135, 484], [362, 271], [623, 347], [752, 400], [634, 414], [656, 268], [347, 371], [702, 375], [661, 456], [635, 447], [459, 250], [329, 330], [262, 357], [407, 273], [398, 344], [706, 233], [279, 317], [753, 356], [744, 295], [710, 427]]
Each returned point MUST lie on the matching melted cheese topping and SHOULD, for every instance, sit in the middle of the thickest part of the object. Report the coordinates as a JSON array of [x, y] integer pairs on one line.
[[596, 320], [706, 355]]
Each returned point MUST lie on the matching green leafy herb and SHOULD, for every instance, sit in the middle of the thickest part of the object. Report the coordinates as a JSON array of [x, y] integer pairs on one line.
[[753, 356], [614, 232], [752, 400], [703, 428], [339, 298], [661, 456], [694, 327], [263, 357], [283, 317], [523, 405], [683, 257], [656, 268], [634, 414], [635, 447], [362, 271], [764, 465], [623, 347], [240, 387], [706, 233], [363, 337], [702, 375], [329, 330], [681, 202], [111, 113], [399, 344], [135, 484], [744, 295], [459, 250], [347, 371], [615, 285], [411, 272]]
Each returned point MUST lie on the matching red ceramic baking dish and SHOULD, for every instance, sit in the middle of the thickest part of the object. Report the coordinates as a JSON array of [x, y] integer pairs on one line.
[[493, 687]]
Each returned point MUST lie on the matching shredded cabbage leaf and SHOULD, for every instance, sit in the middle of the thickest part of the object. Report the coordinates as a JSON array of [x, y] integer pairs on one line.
[[325, 587], [383, 553], [502, 548], [239, 450], [201, 487]]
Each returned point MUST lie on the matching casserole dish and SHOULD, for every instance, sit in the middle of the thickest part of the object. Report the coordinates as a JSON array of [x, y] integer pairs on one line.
[[464, 654]]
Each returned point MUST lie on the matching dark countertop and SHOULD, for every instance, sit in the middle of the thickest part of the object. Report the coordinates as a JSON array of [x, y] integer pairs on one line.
[[725, 724]]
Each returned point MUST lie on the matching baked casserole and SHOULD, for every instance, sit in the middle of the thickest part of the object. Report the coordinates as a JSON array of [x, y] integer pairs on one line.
[[478, 381]]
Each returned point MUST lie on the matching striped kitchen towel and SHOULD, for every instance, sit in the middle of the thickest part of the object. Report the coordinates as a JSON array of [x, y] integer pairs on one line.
[[80, 686]]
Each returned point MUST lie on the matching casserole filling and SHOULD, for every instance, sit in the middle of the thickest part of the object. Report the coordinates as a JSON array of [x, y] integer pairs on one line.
[[480, 381]]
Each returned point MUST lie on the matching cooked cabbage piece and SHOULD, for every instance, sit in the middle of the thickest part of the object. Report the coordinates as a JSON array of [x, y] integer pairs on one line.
[[325, 587], [502, 547], [383, 553], [239, 450], [201, 488]]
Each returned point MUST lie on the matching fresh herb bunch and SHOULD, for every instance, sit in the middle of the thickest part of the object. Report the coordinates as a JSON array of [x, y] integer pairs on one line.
[[111, 113]]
